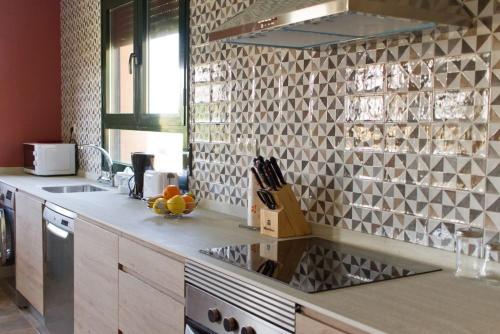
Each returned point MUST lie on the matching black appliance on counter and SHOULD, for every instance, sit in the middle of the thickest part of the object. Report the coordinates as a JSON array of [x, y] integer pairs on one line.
[[141, 162], [313, 264]]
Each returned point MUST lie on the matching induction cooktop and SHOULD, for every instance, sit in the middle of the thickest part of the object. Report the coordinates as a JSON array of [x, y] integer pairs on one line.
[[313, 264]]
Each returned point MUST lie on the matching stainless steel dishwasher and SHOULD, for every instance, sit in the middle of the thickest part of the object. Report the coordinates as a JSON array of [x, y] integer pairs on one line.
[[58, 282]]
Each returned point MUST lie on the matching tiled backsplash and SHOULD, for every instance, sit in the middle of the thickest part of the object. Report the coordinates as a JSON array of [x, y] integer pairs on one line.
[[395, 137], [81, 76]]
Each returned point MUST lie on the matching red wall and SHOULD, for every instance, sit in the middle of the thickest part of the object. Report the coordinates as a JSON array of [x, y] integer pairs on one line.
[[30, 76]]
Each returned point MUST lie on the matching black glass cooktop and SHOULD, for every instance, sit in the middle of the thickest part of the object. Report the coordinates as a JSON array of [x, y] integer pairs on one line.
[[315, 264]]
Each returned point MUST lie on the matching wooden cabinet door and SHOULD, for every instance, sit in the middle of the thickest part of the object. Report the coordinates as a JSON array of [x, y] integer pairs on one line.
[[29, 249], [143, 309], [96, 279]]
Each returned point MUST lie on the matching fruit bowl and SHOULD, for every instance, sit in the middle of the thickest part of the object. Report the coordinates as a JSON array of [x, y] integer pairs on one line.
[[167, 213], [171, 203]]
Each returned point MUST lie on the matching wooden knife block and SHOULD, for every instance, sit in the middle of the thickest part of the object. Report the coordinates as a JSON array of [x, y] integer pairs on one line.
[[287, 220]]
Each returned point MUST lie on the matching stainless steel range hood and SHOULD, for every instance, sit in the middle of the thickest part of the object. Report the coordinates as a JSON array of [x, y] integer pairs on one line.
[[310, 23]]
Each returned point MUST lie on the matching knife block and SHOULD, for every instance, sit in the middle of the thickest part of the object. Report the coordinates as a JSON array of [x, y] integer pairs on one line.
[[287, 220]]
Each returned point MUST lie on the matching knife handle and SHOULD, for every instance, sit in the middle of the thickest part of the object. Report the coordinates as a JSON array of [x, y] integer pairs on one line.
[[263, 176], [257, 177], [271, 175], [277, 170], [267, 198]]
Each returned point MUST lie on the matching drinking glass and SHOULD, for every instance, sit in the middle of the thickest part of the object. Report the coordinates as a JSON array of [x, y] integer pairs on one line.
[[490, 270], [469, 242]]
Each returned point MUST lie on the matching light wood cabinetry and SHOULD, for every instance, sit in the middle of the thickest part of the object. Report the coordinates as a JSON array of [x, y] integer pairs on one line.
[[29, 249], [151, 293], [306, 325], [122, 286], [159, 270], [143, 309], [96, 279], [310, 322]]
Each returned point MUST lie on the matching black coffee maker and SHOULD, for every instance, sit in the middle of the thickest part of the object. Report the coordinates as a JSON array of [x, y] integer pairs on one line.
[[141, 162]]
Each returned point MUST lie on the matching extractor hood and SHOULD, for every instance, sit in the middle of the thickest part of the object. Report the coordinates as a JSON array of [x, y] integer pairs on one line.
[[311, 23]]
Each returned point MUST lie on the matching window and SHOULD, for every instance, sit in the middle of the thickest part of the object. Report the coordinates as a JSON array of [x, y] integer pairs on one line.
[[144, 80]]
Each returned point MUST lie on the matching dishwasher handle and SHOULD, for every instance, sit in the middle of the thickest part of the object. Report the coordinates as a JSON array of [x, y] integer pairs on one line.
[[57, 231]]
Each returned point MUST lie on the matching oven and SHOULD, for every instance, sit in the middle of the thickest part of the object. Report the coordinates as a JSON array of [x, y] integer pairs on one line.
[[195, 328], [219, 303]]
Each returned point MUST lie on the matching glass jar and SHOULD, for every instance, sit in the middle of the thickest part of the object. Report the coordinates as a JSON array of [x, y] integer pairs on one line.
[[469, 242], [490, 270]]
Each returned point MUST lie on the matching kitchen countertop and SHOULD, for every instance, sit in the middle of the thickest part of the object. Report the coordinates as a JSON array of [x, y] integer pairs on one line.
[[430, 303]]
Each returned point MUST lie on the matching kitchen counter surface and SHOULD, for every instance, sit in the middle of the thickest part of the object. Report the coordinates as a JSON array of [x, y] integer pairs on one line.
[[430, 303]]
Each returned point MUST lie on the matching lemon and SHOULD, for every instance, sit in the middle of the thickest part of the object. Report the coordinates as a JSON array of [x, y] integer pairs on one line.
[[176, 205], [160, 206]]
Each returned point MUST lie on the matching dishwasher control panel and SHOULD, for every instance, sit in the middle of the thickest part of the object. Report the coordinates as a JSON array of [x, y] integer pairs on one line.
[[58, 220]]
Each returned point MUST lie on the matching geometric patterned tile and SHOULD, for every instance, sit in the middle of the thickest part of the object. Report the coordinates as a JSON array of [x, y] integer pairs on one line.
[[493, 176], [81, 77], [441, 235], [414, 231], [470, 208], [394, 197], [416, 200], [492, 207], [362, 130], [471, 174], [444, 171], [392, 224], [442, 204]]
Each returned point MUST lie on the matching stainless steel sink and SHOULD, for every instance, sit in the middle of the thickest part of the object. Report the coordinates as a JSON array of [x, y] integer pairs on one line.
[[83, 188]]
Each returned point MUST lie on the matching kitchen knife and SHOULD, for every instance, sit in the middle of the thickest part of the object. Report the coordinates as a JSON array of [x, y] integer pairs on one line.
[[267, 198], [263, 169], [271, 174], [257, 177], [262, 174], [264, 199], [277, 170]]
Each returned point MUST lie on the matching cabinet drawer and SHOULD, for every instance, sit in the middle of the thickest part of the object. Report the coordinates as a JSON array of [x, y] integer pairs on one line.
[[160, 270], [306, 325], [143, 309]]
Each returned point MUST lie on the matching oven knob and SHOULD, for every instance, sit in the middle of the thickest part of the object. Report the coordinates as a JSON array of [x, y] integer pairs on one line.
[[230, 324], [247, 330], [214, 315]]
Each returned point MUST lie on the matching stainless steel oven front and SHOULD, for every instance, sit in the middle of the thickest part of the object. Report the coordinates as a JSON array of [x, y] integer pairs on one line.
[[219, 303]]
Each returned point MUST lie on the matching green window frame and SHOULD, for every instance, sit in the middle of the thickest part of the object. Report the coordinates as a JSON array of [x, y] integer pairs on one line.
[[140, 120]]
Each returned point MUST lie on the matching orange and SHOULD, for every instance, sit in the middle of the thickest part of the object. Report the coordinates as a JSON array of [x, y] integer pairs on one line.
[[187, 199], [190, 203], [171, 191]]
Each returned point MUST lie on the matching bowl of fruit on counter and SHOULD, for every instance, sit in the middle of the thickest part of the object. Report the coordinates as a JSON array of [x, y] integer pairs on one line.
[[172, 203]]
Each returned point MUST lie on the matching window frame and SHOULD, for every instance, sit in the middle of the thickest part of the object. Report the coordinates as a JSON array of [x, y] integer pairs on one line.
[[139, 120]]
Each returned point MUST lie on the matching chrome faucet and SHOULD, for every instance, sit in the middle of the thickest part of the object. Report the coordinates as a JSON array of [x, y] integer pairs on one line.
[[108, 179]]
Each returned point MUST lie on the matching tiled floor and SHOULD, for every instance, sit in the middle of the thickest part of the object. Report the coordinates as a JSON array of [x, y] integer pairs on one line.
[[14, 320]]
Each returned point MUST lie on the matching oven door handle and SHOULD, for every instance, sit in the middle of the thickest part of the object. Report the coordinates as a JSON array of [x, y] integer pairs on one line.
[[193, 328]]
